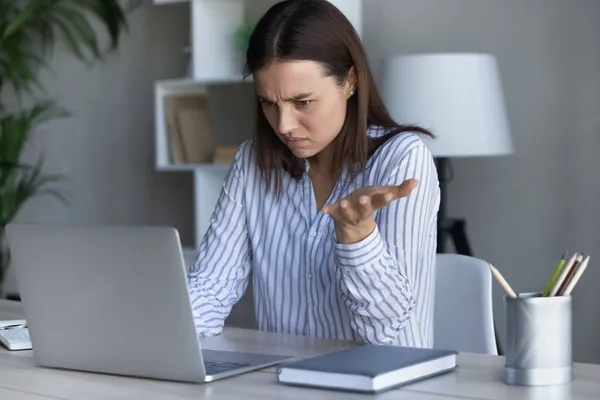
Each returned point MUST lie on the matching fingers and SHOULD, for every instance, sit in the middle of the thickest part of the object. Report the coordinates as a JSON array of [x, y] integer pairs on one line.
[[355, 211], [406, 187], [391, 193], [364, 204], [346, 209], [387, 194], [350, 211], [353, 208], [328, 208], [382, 199]]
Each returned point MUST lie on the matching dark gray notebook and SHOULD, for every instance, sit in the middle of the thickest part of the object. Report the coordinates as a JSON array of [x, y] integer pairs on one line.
[[368, 368]]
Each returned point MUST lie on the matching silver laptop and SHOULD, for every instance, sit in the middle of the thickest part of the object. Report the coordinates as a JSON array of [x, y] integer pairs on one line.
[[114, 299]]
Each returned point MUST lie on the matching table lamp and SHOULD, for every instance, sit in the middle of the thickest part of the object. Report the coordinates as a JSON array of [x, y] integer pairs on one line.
[[459, 98]]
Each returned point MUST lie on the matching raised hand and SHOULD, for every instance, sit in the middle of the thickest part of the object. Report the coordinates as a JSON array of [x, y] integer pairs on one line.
[[353, 215]]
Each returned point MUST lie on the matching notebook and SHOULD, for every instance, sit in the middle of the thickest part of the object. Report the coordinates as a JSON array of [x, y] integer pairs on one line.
[[368, 368]]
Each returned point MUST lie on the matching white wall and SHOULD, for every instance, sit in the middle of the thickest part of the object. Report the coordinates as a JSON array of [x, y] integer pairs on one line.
[[522, 211]]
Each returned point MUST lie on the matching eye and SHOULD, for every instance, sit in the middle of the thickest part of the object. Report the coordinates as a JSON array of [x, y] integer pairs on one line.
[[266, 103], [303, 103]]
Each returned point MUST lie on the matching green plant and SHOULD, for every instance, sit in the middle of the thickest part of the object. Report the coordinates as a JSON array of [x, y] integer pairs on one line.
[[242, 35], [29, 30]]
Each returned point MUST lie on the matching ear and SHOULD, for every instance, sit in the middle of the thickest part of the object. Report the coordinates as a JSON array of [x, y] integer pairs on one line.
[[351, 82]]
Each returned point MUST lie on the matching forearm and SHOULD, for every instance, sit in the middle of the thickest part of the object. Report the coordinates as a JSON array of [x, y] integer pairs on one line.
[[215, 282], [378, 296], [209, 309], [219, 276]]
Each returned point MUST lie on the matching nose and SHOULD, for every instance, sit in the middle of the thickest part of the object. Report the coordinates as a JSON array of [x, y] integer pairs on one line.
[[286, 120]]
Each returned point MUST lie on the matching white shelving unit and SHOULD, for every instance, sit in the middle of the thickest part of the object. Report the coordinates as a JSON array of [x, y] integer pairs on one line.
[[215, 60]]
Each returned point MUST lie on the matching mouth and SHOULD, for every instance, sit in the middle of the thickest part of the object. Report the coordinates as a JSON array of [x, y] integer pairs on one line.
[[294, 142]]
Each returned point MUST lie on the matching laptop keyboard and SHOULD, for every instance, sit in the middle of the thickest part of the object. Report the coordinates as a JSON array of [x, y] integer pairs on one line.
[[216, 367]]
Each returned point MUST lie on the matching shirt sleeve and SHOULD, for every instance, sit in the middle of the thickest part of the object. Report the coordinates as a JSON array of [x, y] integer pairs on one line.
[[377, 273], [219, 276]]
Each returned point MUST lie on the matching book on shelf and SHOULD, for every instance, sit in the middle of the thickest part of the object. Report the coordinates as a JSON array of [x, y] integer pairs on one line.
[[189, 129], [224, 155]]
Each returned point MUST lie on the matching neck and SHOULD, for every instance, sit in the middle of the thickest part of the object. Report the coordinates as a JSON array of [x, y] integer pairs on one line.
[[322, 163]]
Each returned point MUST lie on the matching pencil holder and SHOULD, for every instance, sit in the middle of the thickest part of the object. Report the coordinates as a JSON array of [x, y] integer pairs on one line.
[[538, 348]]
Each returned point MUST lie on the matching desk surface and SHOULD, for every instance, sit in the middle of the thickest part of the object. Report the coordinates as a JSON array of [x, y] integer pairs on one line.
[[478, 376]]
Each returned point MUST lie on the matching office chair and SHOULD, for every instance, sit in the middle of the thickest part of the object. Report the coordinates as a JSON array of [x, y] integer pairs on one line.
[[463, 319]]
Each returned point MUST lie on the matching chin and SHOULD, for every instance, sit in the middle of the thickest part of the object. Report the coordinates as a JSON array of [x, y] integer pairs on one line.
[[303, 153]]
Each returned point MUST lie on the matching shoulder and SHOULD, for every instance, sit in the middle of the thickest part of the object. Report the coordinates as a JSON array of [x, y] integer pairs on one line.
[[398, 149], [245, 150], [245, 156], [404, 156]]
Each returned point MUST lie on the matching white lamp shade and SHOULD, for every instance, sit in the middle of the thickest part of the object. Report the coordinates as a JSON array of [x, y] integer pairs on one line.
[[456, 96]]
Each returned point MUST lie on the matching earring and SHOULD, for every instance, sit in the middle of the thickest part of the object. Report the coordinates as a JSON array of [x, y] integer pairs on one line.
[[351, 93]]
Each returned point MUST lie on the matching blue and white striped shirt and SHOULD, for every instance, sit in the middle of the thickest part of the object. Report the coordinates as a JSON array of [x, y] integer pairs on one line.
[[379, 290]]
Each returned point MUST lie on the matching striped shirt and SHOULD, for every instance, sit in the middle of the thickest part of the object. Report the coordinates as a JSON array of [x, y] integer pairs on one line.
[[379, 290]]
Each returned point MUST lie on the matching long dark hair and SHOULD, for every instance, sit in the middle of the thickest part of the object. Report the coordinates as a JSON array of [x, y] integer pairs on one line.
[[316, 30]]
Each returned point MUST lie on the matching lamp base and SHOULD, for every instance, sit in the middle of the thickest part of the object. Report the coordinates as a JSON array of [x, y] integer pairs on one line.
[[456, 228]]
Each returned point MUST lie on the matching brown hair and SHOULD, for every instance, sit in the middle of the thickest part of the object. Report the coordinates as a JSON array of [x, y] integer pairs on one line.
[[316, 30]]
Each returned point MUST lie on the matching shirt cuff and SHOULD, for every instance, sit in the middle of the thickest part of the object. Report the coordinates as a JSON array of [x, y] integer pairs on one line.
[[362, 253]]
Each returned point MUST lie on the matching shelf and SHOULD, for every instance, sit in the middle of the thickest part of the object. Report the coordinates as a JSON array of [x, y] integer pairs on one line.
[[177, 87]]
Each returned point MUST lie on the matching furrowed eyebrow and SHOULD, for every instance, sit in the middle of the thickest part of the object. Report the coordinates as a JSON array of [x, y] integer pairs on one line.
[[300, 96], [262, 98]]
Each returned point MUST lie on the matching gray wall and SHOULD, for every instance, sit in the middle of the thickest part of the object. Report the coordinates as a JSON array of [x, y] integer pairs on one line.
[[522, 210]]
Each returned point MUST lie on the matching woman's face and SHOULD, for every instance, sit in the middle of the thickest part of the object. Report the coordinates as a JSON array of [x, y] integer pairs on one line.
[[305, 108]]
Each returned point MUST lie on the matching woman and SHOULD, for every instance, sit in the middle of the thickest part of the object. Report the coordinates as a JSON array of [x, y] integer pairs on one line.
[[332, 205]]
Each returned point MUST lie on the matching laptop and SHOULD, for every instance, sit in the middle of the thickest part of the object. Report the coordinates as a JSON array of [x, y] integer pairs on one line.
[[114, 300]]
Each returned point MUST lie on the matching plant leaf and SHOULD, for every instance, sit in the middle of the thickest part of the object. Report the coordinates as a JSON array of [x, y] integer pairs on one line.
[[27, 34]]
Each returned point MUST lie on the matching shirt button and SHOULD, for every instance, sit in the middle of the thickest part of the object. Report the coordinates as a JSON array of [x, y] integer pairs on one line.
[[313, 234], [308, 275]]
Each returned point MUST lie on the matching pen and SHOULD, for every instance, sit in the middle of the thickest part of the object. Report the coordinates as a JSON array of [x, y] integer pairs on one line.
[[554, 276], [502, 281]]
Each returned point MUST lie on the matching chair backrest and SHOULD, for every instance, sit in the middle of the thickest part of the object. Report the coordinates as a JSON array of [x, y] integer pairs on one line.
[[463, 318]]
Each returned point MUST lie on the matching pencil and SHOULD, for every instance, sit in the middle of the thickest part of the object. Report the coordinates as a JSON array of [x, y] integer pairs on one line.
[[576, 265], [563, 275], [502, 281], [554, 276], [580, 269]]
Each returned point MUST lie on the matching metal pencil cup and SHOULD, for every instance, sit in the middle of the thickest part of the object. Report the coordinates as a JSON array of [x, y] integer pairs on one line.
[[538, 350]]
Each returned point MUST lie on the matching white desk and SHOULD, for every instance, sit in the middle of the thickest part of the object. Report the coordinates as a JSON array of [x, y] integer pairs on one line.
[[478, 376]]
